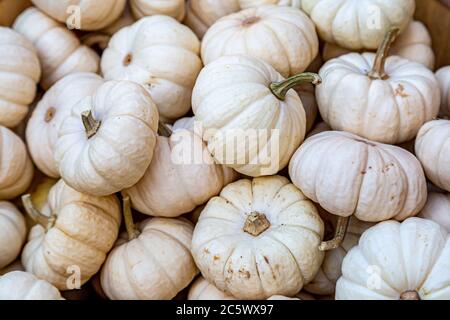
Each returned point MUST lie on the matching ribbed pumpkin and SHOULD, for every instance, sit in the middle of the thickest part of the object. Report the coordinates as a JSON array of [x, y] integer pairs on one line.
[[12, 233], [18, 285], [173, 8]]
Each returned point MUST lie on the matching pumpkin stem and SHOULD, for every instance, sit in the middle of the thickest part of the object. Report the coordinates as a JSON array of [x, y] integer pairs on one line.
[[256, 223], [279, 89], [90, 124], [164, 130], [410, 295], [96, 38], [339, 235], [43, 220], [132, 231], [378, 71]]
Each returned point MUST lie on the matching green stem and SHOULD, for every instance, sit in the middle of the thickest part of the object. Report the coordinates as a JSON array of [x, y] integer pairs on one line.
[[164, 130], [378, 71], [90, 124], [43, 220], [339, 235], [132, 231], [279, 89]]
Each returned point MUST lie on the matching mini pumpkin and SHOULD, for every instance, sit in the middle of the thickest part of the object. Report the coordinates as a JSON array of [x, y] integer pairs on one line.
[[443, 77], [284, 37], [19, 73], [153, 263], [325, 281], [16, 168], [433, 151], [12, 233], [406, 261], [18, 285], [341, 171], [358, 24], [244, 98], [55, 106], [181, 176], [259, 238], [437, 209], [10, 9], [413, 44], [378, 98], [107, 142], [59, 50], [74, 230], [91, 14], [173, 8], [162, 55]]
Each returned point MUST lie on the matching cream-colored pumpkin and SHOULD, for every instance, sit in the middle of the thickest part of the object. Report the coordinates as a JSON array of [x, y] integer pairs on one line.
[[358, 24], [240, 97], [307, 94], [107, 142], [90, 14], [385, 100], [173, 8], [407, 261], [349, 175], [162, 55], [154, 264], [437, 209], [16, 168], [55, 106], [413, 44], [181, 176], [10, 9], [284, 37], [19, 73], [18, 285], [75, 230], [433, 151], [260, 238], [12, 233], [59, 50], [201, 14], [443, 76], [325, 281], [201, 289]]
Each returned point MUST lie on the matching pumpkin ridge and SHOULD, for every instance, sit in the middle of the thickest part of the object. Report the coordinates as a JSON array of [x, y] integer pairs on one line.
[[257, 272], [224, 271]]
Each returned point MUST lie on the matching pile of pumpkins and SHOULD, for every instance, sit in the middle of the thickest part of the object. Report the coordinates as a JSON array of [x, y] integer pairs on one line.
[[96, 121]]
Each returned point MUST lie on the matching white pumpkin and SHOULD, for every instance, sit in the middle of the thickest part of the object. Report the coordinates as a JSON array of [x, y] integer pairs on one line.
[[244, 98], [443, 76], [259, 238], [16, 168], [83, 14], [173, 8], [406, 261], [181, 176], [10, 9], [437, 209], [413, 44], [19, 73], [284, 37], [55, 106], [59, 50], [255, 3], [433, 151], [18, 285], [358, 24], [154, 264], [349, 175], [162, 55], [107, 142], [74, 234], [325, 281], [378, 98], [12, 233], [201, 289]]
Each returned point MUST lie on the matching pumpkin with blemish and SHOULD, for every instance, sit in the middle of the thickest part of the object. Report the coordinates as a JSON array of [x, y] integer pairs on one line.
[[259, 238]]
